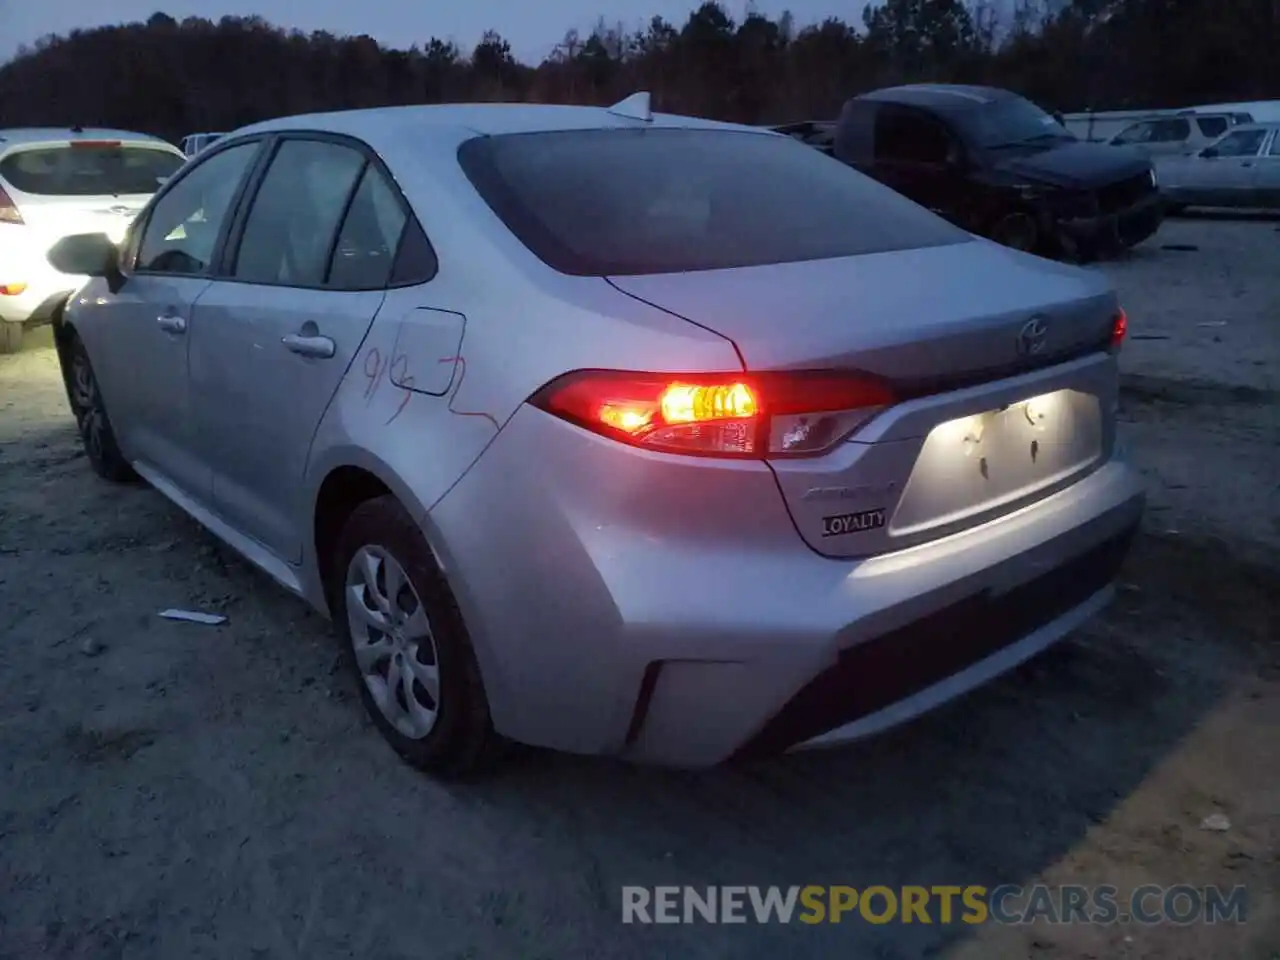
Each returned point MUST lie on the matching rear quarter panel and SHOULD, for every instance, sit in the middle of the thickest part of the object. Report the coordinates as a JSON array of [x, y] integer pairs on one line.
[[519, 325]]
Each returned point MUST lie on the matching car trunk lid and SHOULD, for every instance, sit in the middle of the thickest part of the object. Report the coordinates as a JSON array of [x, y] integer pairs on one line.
[[966, 334], [907, 316]]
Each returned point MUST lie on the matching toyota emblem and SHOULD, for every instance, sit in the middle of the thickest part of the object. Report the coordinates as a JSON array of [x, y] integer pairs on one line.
[[1033, 337]]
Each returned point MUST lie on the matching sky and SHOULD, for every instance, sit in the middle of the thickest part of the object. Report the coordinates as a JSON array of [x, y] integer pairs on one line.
[[532, 29]]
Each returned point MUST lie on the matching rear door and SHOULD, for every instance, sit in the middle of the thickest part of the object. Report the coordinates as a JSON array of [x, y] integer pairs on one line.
[[277, 332]]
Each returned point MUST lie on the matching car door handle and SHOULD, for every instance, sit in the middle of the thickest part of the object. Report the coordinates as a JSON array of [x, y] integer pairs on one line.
[[171, 324], [320, 347]]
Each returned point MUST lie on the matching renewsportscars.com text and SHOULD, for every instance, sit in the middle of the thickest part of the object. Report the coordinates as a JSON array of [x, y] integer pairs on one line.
[[973, 904]]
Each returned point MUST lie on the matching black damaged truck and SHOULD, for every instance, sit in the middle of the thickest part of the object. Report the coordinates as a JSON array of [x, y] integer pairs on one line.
[[996, 165]]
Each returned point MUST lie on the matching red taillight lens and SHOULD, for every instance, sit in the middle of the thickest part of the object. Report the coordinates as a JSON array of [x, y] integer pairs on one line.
[[1119, 328], [729, 415], [8, 209]]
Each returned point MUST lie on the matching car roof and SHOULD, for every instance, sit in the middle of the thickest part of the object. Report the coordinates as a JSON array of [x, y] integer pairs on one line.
[[478, 119], [943, 97], [22, 135]]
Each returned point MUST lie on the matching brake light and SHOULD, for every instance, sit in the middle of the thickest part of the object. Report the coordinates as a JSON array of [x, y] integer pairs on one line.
[[729, 415], [1119, 328], [8, 209], [92, 144]]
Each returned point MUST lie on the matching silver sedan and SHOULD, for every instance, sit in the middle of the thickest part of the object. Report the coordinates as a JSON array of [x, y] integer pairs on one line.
[[610, 431], [1240, 169]]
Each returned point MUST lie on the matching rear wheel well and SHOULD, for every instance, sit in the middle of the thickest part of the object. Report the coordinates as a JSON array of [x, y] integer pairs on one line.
[[342, 491]]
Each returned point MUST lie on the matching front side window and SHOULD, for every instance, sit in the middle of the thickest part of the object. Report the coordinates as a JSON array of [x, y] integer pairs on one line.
[[90, 169], [1138, 133], [290, 230], [1275, 145], [1240, 143], [1170, 131], [182, 232], [667, 200]]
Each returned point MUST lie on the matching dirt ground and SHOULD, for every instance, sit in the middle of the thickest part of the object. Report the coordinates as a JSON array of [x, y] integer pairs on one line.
[[173, 790]]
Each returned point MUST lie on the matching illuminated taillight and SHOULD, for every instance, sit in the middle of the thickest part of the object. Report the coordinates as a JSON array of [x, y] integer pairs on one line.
[[12, 289], [1119, 329], [8, 209], [728, 415]]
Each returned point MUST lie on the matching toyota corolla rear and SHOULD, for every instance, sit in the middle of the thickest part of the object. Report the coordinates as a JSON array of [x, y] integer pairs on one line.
[[896, 481]]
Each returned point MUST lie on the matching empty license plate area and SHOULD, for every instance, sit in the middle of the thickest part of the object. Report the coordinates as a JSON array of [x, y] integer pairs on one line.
[[975, 467]]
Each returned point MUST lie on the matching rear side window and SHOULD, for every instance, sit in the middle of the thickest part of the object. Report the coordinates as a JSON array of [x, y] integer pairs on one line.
[[291, 226], [630, 202], [905, 136], [369, 236], [1212, 126], [89, 169]]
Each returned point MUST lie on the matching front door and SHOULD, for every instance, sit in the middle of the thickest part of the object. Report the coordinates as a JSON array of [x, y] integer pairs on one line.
[[140, 351], [1224, 176], [274, 338]]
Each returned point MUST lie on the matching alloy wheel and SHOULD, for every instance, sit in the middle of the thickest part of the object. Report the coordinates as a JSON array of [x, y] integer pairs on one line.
[[391, 638]]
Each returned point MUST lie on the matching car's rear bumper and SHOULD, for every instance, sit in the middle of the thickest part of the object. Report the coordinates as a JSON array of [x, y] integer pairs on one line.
[[612, 614], [34, 306]]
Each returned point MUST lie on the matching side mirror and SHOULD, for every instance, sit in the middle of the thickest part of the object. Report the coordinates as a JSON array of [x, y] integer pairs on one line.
[[86, 254], [1209, 152]]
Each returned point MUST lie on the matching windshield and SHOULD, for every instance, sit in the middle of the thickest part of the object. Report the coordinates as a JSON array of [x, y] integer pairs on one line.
[[89, 169], [1010, 122], [629, 202]]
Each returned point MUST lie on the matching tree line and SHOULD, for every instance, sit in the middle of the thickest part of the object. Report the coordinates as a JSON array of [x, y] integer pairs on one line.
[[172, 77]]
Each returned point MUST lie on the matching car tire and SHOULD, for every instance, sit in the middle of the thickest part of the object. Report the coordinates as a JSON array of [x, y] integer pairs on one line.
[[10, 337], [92, 422], [445, 731], [1174, 209], [1017, 230]]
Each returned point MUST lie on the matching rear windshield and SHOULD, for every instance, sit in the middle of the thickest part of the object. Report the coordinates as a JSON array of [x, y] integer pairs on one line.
[[630, 202], [89, 170]]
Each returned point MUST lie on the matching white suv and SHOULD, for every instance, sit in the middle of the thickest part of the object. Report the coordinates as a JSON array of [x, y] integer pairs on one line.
[[55, 182]]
